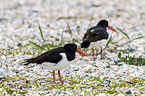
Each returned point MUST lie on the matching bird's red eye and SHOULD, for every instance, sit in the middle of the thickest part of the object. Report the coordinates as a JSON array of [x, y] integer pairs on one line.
[[74, 46], [106, 22]]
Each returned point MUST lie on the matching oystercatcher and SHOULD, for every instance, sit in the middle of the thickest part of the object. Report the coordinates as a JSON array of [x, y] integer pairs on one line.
[[56, 59], [97, 34]]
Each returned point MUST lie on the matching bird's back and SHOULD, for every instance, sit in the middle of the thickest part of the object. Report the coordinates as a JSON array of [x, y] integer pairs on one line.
[[96, 33], [49, 56]]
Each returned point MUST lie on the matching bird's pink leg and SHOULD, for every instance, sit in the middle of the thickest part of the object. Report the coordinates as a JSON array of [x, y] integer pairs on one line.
[[93, 50], [101, 53], [54, 77], [60, 77]]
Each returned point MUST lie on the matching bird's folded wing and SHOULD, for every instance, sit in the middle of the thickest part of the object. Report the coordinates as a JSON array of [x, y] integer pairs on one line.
[[50, 58], [44, 58]]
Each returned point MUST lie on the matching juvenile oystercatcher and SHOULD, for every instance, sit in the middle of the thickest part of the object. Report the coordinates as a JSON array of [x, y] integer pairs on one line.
[[56, 59], [97, 36]]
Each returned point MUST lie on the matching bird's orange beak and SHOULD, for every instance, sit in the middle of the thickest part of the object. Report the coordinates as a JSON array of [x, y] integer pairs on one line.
[[112, 29], [82, 53]]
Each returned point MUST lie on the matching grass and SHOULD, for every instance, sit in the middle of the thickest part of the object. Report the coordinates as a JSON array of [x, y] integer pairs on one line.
[[31, 81], [42, 47], [129, 41], [87, 88], [132, 60], [123, 33]]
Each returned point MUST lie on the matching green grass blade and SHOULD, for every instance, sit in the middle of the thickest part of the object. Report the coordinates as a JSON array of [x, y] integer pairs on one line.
[[109, 41], [36, 45], [119, 55], [90, 22], [41, 32], [42, 35], [62, 41], [70, 31], [139, 37], [132, 40], [123, 33]]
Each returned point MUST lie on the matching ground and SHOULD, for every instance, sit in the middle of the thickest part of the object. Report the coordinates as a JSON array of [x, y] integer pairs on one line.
[[122, 70]]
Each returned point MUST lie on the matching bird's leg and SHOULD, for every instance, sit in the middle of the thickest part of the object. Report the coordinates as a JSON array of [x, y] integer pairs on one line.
[[54, 77], [93, 50], [60, 77], [101, 53]]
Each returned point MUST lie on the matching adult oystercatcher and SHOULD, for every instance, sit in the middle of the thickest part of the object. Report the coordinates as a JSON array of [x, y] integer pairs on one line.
[[56, 59], [97, 34]]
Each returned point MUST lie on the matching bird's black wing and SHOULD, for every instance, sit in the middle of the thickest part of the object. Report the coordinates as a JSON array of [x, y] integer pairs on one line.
[[92, 35], [88, 32], [100, 33], [97, 34], [52, 56], [55, 58]]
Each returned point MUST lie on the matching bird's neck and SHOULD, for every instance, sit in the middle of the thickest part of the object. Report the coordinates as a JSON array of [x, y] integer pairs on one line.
[[70, 56]]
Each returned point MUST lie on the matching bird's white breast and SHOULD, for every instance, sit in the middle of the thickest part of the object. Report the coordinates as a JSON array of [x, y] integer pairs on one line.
[[98, 44], [63, 63]]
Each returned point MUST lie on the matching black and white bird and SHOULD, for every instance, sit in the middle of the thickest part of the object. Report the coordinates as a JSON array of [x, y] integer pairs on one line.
[[56, 59], [97, 36]]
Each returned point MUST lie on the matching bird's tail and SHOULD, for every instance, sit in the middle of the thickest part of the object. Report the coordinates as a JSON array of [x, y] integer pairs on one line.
[[85, 44], [28, 61]]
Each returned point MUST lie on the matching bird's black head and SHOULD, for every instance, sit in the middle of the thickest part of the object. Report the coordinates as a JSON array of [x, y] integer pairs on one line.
[[85, 44], [103, 23], [70, 48]]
